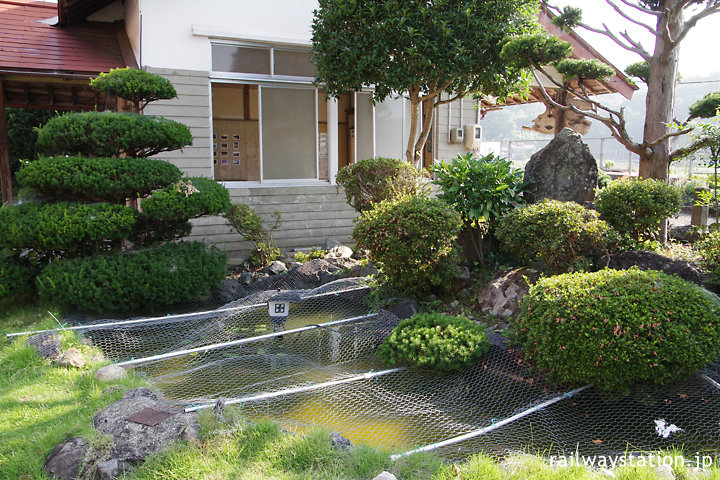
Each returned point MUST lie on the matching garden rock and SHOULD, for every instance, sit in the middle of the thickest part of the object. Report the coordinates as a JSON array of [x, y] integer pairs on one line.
[[276, 267], [684, 233], [664, 472], [360, 253], [345, 263], [246, 278], [66, 459], [404, 309], [133, 442], [385, 476], [330, 243], [72, 358], [359, 270], [109, 469], [647, 260], [500, 297], [314, 273], [110, 373], [564, 170], [227, 291], [339, 252], [340, 442], [47, 345]]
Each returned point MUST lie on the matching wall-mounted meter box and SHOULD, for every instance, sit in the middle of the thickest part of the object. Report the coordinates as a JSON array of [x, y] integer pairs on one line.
[[473, 136], [456, 135]]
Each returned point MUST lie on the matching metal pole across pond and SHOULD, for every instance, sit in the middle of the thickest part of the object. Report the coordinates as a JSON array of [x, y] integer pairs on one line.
[[494, 426], [174, 317], [289, 391], [215, 346]]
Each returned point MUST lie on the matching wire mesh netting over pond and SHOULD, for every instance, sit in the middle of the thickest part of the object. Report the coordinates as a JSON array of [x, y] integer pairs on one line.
[[311, 362]]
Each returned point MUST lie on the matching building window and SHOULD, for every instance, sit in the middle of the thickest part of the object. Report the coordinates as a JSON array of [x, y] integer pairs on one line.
[[265, 61]]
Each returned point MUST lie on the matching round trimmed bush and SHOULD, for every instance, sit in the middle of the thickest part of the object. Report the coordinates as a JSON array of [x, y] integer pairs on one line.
[[190, 198], [616, 328], [145, 280], [65, 226], [97, 179], [108, 134], [17, 277], [413, 240], [559, 236], [635, 208], [434, 341], [373, 180]]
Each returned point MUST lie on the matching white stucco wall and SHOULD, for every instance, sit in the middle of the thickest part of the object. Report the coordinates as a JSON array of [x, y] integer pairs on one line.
[[167, 27]]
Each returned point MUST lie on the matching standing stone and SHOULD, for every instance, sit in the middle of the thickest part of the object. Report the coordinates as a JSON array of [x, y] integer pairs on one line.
[[500, 297], [66, 459], [110, 373], [564, 170]]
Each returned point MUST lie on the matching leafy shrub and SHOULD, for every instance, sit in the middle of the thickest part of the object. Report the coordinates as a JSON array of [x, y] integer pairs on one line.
[[537, 49], [706, 107], [22, 133], [136, 86], [560, 236], [189, 198], [481, 189], [634, 208], [72, 228], [149, 279], [314, 253], [373, 180], [604, 179], [709, 249], [108, 134], [150, 231], [434, 341], [639, 70], [95, 179], [413, 240], [17, 277], [250, 225], [615, 328]]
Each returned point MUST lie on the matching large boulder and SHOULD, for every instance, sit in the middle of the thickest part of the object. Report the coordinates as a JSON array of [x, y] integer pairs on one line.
[[140, 424], [647, 260], [564, 170], [500, 297]]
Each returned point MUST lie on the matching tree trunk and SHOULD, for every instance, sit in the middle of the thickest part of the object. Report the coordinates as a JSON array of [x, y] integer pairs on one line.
[[428, 112], [410, 154], [5, 173], [559, 113], [660, 101]]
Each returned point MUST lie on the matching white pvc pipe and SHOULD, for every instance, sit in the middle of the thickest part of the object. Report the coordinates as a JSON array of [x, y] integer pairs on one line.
[[711, 381], [171, 317], [492, 427], [215, 346], [289, 391]]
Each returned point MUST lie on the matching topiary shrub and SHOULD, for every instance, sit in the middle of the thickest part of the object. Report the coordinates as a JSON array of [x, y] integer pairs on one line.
[[136, 86], [709, 250], [434, 341], [72, 228], [144, 280], [374, 180], [414, 242], [96, 179], [555, 236], [635, 208], [17, 277], [190, 198], [616, 328], [107, 134]]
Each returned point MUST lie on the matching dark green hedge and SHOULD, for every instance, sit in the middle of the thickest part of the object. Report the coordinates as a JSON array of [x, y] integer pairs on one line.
[[73, 228], [141, 281], [109, 134], [149, 231], [616, 328], [97, 179], [435, 341], [191, 198], [17, 277]]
